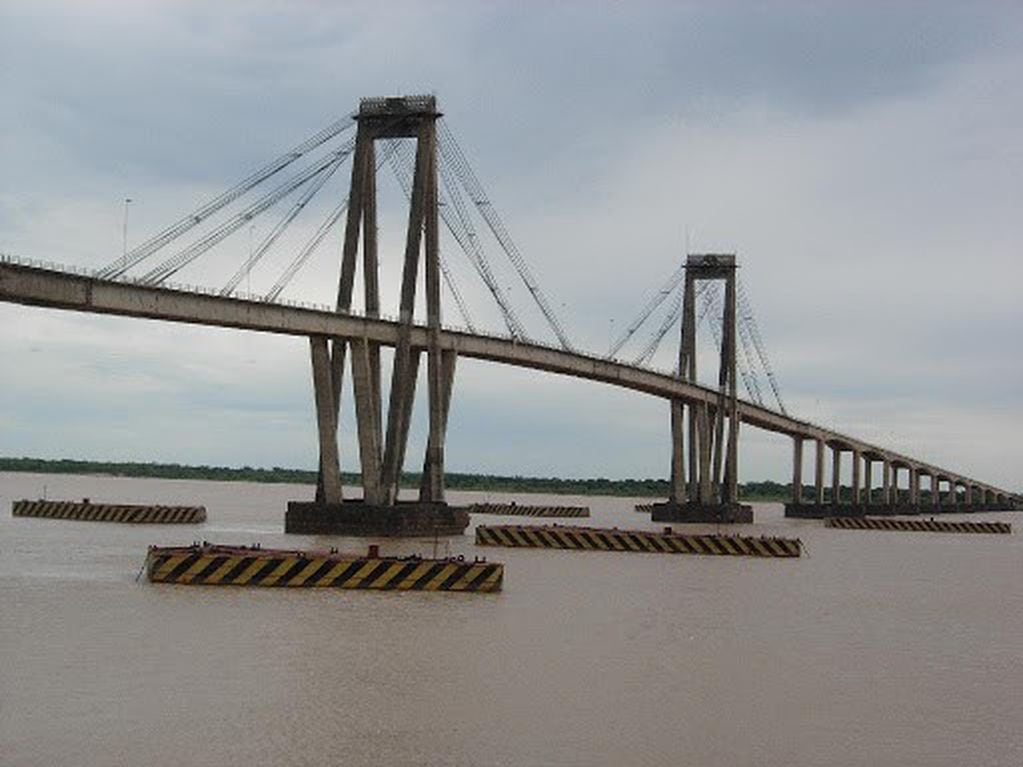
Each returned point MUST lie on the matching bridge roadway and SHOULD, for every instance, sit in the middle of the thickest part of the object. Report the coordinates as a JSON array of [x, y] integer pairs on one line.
[[51, 288]]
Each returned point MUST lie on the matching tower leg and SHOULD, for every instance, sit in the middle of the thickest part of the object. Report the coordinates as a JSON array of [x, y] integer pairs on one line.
[[886, 483], [797, 471], [836, 475], [818, 483], [330, 465], [368, 417], [438, 390], [678, 466], [856, 465], [432, 488]]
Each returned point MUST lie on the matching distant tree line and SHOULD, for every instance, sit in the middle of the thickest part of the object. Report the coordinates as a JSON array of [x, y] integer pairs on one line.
[[633, 488]]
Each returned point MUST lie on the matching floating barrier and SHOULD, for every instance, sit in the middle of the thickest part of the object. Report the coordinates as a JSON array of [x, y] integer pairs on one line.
[[665, 542], [209, 564], [917, 525], [517, 510], [110, 512]]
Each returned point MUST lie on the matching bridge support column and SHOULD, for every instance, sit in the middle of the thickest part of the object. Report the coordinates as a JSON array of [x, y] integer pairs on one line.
[[868, 481], [399, 416], [797, 471], [705, 494], [326, 421], [886, 482], [818, 476], [367, 414], [836, 475], [432, 487], [365, 355], [914, 488], [857, 459], [439, 374], [678, 456]]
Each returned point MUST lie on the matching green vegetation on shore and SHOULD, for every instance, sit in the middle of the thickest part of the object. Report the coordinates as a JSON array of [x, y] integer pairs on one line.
[[636, 488]]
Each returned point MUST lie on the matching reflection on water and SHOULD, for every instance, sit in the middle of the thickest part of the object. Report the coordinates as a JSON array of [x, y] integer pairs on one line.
[[880, 648]]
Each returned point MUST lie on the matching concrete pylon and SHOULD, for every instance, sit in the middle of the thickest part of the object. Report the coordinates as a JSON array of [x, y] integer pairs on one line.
[[329, 489], [710, 493], [836, 475], [797, 471], [857, 458], [382, 445], [818, 473]]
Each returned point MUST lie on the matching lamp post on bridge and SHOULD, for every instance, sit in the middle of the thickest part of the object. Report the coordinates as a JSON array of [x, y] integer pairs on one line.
[[124, 227]]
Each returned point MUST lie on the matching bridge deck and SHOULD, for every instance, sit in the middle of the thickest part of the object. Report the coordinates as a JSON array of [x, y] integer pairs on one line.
[[34, 286]]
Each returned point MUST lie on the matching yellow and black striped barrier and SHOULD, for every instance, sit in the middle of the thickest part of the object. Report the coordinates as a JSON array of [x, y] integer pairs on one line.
[[213, 565], [644, 508], [517, 510], [110, 512], [917, 525], [666, 542]]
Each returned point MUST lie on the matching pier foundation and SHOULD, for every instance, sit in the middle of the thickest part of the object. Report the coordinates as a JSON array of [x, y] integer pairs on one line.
[[725, 513], [405, 519]]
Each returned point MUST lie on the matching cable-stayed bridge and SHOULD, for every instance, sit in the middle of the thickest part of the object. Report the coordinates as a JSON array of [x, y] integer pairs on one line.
[[409, 135]]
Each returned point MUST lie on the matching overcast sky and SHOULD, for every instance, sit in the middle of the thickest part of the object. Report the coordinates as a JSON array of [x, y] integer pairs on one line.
[[864, 160]]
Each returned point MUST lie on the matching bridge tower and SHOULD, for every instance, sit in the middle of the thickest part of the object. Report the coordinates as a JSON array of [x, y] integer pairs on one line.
[[382, 446], [711, 493]]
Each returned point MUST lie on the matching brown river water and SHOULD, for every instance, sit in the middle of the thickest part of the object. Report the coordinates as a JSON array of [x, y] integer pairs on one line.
[[879, 648]]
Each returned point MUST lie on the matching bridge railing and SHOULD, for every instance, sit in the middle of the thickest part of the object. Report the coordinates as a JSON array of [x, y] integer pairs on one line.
[[185, 287], [82, 271], [258, 298]]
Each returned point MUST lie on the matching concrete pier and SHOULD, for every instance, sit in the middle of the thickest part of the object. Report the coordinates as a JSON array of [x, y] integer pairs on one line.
[[901, 508], [711, 492], [382, 450]]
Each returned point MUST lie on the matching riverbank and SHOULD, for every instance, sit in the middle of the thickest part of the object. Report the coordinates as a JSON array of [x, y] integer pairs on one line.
[[632, 488]]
